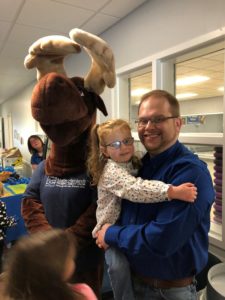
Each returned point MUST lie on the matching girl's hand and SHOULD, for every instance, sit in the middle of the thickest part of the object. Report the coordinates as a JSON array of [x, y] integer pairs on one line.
[[185, 192], [100, 240]]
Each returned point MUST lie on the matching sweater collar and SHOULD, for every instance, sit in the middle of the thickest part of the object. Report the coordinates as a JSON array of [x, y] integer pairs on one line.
[[163, 156]]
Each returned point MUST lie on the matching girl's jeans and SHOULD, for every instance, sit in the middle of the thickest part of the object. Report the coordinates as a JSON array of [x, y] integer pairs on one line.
[[119, 274]]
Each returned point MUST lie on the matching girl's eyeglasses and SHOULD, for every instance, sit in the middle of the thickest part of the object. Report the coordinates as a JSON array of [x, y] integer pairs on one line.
[[118, 144]]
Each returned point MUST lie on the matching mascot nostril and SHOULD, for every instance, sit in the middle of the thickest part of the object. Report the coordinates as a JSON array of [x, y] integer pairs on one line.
[[60, 194]]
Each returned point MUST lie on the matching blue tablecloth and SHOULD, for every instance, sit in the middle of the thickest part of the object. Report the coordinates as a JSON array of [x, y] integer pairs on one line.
[[13, 208]]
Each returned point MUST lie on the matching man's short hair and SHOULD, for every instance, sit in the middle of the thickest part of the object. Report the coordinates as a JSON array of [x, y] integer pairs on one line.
[[172, 100]]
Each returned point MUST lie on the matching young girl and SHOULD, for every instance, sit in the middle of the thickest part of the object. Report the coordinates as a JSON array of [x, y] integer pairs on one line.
[[111, 164], [39, 266]]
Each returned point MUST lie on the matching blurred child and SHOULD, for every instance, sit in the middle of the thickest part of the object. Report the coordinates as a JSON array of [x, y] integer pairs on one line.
[[111, 164], [39, 266]]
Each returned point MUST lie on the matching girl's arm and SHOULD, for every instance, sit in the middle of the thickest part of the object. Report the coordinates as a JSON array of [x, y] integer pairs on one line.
[[119, 182], [186, 191]]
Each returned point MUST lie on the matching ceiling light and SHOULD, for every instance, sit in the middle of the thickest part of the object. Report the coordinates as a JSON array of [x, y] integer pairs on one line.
[[191, 80], [186, 95], [139, 92], [221, 89]]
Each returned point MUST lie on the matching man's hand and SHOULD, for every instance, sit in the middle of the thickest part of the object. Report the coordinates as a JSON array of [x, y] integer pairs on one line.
[[100, 240]]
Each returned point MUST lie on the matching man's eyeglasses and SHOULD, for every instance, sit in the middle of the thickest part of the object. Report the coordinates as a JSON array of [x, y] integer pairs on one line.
[[153, 120], [118, 144]]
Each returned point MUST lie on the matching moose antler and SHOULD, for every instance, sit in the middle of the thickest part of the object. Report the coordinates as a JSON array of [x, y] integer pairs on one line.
[[47, 54], [102, 71]]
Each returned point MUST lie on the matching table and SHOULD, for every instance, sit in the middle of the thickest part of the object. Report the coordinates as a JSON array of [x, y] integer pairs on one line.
[[13, 208]]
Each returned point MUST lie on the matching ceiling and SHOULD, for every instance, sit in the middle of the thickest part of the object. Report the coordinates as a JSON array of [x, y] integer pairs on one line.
[[210, 65], [24, 21]]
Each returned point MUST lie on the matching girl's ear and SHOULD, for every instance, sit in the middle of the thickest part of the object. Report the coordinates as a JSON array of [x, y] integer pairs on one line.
[[104, 151]]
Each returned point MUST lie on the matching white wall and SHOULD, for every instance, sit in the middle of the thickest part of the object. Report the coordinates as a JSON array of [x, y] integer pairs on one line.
[[23, 123], [161, 24]]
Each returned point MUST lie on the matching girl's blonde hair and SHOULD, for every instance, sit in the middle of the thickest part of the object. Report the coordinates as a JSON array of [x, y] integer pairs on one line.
[[96, 159], [35, 266]]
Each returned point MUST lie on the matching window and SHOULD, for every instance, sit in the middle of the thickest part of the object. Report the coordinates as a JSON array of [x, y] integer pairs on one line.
[[200, 89]]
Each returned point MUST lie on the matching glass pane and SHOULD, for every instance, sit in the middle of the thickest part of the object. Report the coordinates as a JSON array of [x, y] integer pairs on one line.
[[139, 83], [200, 90], [203, 123], [213, 156]]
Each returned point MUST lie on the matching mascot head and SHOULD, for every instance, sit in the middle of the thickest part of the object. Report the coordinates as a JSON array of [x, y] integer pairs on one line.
[[66, 107]]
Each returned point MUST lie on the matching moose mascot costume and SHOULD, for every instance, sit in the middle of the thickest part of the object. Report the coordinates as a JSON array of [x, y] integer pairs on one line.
[[59, 194]]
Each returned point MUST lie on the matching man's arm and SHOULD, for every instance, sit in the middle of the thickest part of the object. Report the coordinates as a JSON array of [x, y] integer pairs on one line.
[[175, 223]]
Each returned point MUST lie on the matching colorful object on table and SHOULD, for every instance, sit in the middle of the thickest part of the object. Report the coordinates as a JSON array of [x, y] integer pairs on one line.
[[4, 175], [1, 189], [15, 185], [18, 162], [11, 157], [8, 168], [16, 189], [14, 181]]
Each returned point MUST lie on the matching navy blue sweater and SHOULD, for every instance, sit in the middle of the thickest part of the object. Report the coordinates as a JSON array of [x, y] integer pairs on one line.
[[167, 240], [64, 200]]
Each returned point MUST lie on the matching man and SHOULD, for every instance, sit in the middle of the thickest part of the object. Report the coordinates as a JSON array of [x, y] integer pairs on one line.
[[166, 243]]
